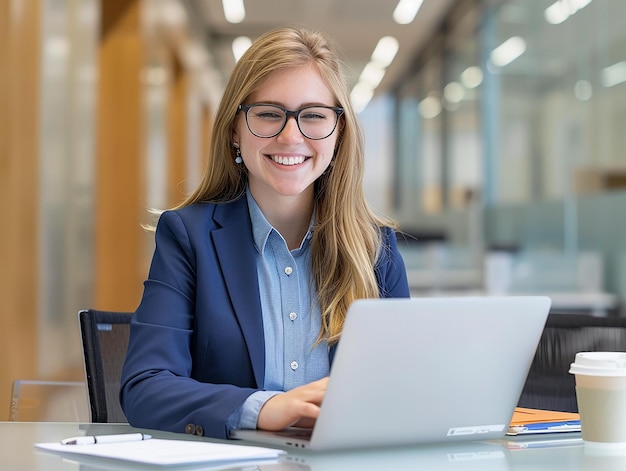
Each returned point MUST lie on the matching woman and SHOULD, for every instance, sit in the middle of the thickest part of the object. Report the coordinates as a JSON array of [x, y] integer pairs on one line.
[[253, 273]]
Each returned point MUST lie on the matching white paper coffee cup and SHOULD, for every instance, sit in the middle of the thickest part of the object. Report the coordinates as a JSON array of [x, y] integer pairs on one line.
[[601, 396]]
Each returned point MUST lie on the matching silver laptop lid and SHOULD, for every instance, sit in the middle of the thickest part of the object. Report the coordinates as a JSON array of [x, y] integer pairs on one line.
[[424, 370], [429, 370]]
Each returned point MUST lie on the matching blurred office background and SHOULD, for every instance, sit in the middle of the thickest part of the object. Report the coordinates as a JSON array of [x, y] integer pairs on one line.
[[496, 135]]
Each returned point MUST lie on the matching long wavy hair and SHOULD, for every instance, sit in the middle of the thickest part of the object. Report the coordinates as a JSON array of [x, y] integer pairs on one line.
[[347, 234]]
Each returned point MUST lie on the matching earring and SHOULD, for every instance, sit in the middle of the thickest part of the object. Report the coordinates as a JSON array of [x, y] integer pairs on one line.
[[238, 158]]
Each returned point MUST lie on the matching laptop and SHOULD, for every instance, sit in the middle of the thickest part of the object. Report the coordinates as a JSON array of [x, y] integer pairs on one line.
[[423, 370]]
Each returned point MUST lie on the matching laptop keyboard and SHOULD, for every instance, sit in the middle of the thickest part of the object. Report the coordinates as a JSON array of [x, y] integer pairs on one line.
[[301, 433]]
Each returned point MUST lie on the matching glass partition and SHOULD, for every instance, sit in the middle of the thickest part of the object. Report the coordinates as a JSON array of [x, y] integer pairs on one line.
[[518, 106], [562, 76], [69, 38], [461, 95]]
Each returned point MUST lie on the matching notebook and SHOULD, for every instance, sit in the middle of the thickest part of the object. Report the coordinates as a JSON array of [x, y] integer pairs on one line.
[[159, 453], [423, 370]]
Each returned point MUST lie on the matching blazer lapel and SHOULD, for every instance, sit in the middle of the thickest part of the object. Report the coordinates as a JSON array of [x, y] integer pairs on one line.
[[237, 257], [331, 354]]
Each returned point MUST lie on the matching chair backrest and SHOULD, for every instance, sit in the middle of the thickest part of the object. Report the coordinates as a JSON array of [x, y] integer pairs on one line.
[[48, 401], [105, 342], [549, 384]]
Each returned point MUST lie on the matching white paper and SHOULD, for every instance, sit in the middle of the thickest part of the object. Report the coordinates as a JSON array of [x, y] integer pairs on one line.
[[167, 452]]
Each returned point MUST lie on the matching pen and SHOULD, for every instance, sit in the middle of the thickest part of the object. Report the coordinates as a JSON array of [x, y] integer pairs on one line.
[[93, 439]]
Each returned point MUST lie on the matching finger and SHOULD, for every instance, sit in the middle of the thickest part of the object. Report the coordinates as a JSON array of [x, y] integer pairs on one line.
[[320, 383], [310, 410], [314, 388], [284, 410]]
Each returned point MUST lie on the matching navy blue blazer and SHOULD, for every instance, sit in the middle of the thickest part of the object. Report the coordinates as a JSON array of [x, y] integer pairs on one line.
[[196, 349]]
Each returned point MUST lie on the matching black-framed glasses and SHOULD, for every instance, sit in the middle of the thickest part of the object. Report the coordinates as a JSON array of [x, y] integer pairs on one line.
[[315, 122]]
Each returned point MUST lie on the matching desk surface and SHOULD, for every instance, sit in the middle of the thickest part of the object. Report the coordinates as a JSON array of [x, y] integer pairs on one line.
[[17, 452]]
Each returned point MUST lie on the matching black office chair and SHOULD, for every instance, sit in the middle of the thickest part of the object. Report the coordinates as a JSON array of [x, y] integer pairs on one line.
[[549, 385], [105, 341]]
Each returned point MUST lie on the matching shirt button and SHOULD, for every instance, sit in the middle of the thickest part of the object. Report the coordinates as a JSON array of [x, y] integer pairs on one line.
[[294, 365], [288, 271], [293, 316]]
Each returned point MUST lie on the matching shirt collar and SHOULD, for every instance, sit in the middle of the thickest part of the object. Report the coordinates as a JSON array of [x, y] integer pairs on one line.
[[261, 228]]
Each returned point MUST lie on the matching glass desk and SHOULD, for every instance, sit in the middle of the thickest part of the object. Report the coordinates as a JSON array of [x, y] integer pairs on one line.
[[562, 453]]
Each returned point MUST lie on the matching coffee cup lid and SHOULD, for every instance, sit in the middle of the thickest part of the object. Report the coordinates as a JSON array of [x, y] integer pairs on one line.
[[599, 364]]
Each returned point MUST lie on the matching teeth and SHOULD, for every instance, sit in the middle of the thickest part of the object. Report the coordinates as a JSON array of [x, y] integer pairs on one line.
[[288, 160]]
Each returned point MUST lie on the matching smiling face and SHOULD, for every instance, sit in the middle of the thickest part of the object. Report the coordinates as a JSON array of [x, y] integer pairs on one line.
[[286, 165]]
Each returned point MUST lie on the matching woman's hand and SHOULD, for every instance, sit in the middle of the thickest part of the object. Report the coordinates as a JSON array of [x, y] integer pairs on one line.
[[298, 407]]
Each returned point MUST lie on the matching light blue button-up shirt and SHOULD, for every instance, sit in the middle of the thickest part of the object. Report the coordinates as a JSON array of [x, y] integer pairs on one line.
[[291, 317]]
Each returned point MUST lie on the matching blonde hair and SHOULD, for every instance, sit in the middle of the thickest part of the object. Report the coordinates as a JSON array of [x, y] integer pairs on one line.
[[347, 234]]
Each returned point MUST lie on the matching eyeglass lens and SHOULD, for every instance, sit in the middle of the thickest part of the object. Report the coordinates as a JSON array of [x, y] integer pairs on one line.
[[315, 122]]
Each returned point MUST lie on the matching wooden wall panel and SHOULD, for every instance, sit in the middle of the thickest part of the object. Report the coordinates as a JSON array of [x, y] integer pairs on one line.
[[205, 137], [120, 240], [177, 136], [19, 173]]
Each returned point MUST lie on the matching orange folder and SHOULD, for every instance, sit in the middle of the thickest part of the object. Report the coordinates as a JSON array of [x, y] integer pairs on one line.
[[523, 416], [529, 421]]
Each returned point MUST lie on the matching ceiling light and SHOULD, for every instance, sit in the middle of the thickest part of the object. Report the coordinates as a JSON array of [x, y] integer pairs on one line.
[[360, 96], [508, 51], [240, 45], [472, 77], [430, 107], [372, 74], [614, 74], [234, 10], [406, 10], [561, 10], [556, 13], [583, 90], [385, 51], [454, 92]]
